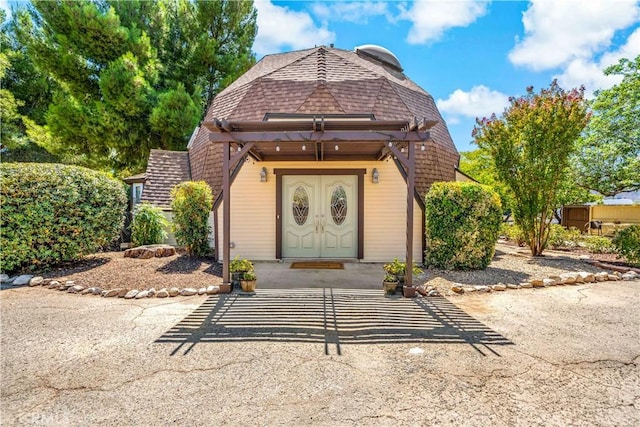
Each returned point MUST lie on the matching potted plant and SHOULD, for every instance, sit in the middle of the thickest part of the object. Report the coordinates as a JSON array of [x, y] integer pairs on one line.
[[238, 267], [390, 284], [398, 269], [248, 282]]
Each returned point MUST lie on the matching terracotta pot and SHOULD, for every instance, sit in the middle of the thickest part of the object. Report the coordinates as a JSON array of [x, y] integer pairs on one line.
[[409, 291], [225, 288], [390, 287], [248, 285]]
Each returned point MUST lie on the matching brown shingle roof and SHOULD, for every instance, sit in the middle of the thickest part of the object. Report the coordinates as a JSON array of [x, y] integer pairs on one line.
[[165, 170], [326, 80]]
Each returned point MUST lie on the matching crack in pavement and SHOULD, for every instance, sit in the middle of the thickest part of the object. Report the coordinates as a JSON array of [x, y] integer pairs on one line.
[[564, 365]]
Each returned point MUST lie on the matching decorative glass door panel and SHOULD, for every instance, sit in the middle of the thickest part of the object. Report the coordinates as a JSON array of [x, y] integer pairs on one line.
[[319, 216]]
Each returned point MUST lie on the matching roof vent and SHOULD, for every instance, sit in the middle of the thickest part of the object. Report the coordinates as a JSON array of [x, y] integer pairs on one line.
[[381, 54]]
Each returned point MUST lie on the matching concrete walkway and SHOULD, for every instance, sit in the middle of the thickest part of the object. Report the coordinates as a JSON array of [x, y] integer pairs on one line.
[[355, 275]]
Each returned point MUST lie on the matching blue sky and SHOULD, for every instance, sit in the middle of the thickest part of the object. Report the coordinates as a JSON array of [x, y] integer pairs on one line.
[[469, 55]]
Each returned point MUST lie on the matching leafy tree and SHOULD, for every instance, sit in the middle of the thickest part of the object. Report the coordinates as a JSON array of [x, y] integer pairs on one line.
[[479, 165], [119, 67], [24, 97], [530, 145], [608, 160]]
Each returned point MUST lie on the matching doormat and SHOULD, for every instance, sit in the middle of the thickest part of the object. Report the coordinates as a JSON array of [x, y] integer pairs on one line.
[[318, 265]]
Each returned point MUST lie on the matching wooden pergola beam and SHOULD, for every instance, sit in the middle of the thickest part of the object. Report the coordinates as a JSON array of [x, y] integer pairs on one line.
[[356, 136]]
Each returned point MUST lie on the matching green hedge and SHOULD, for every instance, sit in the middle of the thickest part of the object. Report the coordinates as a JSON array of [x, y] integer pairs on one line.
[[192, 202], [462, 225], [52, 213], [147, 225], [627, 244]]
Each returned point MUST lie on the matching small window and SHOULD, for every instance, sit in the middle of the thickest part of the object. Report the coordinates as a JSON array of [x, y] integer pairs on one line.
[[300, 205], [339, 205], [137, 193]]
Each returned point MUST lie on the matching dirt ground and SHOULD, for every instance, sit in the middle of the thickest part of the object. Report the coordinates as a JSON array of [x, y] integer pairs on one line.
[[111, 270], [534, 357]]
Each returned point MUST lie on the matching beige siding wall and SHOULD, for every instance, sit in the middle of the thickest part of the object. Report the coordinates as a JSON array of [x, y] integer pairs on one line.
[[253, 230]]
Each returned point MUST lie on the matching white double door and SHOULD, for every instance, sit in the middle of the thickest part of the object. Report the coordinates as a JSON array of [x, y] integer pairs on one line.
[[320, 216]]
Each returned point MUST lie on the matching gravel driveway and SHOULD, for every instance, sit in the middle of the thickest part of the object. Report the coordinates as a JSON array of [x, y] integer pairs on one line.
[[554, 356]]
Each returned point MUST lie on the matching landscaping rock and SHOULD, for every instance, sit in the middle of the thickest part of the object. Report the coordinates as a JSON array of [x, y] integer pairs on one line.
[[97, 291], [131, 294], [150, 251], [111, 293], [202, 291], [433, 293], [481, 288], [457, 289], [54, 284], [526, 285], [174, 292], [87, 291], [22, 280], [187, 292], [36, 281], [162, 293], [468, 289], [614, 277], [4, 278], [46, 282], [557, 279], [537, 283], [103, 293], [499, 287], [122, 293], [512, 286], [75, 289], [586, 277], [630, 275], [66, 285], [603, 276], [152, 292], [568, 278], [549, 282], [142, 294]]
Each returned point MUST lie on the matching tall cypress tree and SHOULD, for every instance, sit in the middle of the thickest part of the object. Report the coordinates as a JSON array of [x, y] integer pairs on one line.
[[132, 76]]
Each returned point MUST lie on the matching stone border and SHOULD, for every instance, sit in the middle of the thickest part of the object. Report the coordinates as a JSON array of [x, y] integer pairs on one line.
[[570, 278], [71, 287]]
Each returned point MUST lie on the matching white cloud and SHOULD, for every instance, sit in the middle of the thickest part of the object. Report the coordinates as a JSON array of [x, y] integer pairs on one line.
[[590, 73], [480, 101], [558, 32], [357, 12], [4, 4], [432, 18], [281, 28]]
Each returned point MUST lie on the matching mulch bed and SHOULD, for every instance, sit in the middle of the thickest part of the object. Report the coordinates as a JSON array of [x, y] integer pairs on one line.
[[111, 270]]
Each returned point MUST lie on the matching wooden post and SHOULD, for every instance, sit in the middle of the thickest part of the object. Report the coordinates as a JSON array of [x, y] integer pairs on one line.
[[411, 185], [226, 199]]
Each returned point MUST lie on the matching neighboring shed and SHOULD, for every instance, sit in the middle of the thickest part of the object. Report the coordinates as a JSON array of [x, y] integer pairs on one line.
[[600, 219]]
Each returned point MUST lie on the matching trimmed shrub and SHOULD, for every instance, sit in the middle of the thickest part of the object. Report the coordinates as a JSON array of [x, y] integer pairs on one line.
[[513, 233], [462, 225], [52, 213], [191, 204], [598, 245], [627, 244], [148, 224], [560, 237]]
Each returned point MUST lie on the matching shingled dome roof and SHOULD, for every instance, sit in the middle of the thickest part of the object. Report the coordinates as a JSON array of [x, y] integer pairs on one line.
[[326, 80]]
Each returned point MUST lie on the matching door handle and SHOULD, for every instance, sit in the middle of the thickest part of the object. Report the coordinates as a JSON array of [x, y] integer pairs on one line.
[[322, 224], [317, 221]]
